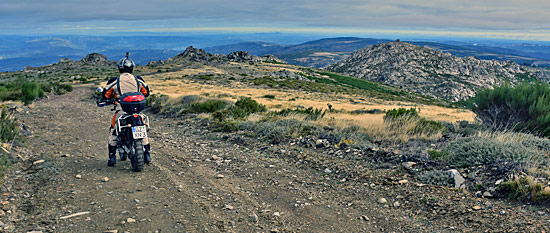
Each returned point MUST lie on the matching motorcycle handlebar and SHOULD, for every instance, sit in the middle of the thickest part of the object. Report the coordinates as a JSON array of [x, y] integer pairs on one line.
[[105, 102]]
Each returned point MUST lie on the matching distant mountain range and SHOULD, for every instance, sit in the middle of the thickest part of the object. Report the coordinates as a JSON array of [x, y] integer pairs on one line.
[[320, 53], [17, 52]]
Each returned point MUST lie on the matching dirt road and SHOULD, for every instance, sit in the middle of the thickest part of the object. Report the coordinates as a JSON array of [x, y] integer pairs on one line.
[[202, 181]]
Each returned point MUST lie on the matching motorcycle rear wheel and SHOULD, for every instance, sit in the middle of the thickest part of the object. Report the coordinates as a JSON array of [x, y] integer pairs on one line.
[[138, 159]]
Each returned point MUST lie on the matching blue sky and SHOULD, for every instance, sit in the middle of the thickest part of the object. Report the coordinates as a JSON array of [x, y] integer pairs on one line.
[[525, 19]]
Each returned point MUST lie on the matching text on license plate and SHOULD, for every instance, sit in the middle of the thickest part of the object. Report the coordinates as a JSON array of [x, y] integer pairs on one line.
[[139, 132]]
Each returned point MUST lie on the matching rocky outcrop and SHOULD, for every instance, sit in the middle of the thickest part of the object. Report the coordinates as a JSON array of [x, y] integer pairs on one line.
[[427, 71], [271, 58], [200, 55], [95, 58], [156, 63], [194, 54], [242, 56], [65, 60]]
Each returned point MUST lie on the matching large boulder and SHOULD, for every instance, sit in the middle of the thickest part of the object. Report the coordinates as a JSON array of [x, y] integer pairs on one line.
[[95, 58], [271, 58], [194, 54], [242, 56]]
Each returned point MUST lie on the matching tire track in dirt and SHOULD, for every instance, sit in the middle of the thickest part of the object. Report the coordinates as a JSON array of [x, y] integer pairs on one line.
[[264, 188]]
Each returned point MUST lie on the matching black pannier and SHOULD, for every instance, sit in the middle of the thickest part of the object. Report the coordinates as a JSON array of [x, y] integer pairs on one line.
[[132, 102]]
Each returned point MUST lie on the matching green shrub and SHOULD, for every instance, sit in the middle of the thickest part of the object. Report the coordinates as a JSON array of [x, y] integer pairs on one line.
[[207, 106], [282, 130], [250, 105], [525, 107], [401, 113], [467, 129], [9, 130], [189, 99], [437, 177], [155, 102], [370, 111], [56, 88], [269, 96], [409, 121], [477, 150], [525, 188], [29, 92], [5, 162], [311, 113], [353, 136], [428, 127], [226, 126], [246, 106], [435, 154]]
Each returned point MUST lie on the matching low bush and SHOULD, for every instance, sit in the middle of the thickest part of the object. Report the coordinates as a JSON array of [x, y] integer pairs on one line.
[[354, 137], [281, 130], [208, 106], [525, 108], [478, 150], [30, 91], [437, 177], [225, 126], [9, 129], [428, 127], [525, 188], [246, 106], [401, 113], [370, 111], [436, 154], [409, 122], [155, 103], [250, 105], [311, 113], [466, 129], [56, 88]]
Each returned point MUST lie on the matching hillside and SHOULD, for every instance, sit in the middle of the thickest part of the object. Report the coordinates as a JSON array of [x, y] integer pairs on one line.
[[17, 52], [323, 52], [317, 53], [245, 143], [428, 71]]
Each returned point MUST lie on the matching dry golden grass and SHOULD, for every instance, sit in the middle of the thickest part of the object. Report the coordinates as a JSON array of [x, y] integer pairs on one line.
[[372, 124], [182, 87]]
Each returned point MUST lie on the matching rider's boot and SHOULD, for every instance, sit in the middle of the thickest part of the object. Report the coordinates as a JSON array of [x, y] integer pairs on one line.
[[147, 153], [112, 156]]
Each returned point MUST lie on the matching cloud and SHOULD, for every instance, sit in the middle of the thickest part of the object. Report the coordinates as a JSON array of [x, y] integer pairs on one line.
[[366, 14]]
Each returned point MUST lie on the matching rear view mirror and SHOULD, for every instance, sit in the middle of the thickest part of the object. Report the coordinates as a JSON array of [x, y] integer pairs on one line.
[[99, 89]]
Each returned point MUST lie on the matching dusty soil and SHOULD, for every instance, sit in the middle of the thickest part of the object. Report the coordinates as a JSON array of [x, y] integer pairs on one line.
[[202, 181]]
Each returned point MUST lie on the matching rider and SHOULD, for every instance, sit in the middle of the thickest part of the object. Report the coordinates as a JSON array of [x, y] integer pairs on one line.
[[116, 87]]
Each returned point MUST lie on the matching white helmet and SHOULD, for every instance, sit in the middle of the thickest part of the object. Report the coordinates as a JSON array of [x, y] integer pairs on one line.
[[126, 65]]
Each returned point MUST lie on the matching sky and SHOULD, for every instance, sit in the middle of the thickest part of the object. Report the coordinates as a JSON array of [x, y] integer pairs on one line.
[[518, 19]]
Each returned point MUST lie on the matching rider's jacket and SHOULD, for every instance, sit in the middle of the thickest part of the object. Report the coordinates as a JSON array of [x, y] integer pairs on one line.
[[124, 83]]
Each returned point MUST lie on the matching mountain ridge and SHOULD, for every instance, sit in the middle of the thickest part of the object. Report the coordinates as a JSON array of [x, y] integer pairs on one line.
[[428, 71]]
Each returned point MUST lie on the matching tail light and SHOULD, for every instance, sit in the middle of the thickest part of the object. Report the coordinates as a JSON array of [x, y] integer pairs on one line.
[[134, 98]]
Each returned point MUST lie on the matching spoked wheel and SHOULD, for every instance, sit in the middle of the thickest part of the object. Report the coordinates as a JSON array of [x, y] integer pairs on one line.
[[137, 160]]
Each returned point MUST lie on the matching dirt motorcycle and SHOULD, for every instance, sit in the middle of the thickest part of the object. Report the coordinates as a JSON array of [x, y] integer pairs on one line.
[[131, 127]]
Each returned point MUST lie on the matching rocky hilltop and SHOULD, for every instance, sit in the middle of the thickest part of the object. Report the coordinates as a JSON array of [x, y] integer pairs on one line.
[[200, 55], [427, 71]]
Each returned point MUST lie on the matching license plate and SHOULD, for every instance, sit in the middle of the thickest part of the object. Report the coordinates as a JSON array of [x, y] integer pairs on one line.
[[139, 132]]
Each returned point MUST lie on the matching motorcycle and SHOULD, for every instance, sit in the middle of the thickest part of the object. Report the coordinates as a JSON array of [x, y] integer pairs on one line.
[[131, 127]]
